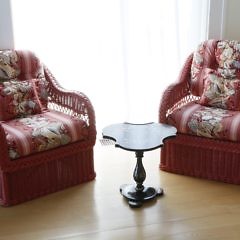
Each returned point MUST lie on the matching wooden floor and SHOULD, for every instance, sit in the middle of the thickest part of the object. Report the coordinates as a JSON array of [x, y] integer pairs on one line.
[[190, 209]]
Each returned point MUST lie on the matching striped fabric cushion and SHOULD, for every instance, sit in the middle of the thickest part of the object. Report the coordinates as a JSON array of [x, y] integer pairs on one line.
[[31, 68], [204, 57], [9, 68], [18, 99], [23, 65], [210, 122], [42, 132], [223, 56], [220, 92], [29, 64], [228, 54]]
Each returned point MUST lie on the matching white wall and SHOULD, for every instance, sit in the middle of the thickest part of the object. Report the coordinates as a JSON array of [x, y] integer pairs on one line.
[[6, 28], [224, 21], [232, 20], [216, 21]]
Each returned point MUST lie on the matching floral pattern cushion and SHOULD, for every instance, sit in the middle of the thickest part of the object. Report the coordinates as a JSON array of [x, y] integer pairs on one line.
[[23, 65], [30, 65], [9, 68], [203, 57], [220, 92], [203, 121], [42, 86], [208, 122], [228, 73], [197, 64], [228, 54], [42, 132], [32, 68], [18, 99]]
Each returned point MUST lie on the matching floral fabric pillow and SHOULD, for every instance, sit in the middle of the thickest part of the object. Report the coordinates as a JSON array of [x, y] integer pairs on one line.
[[203, 58], [9, 68], [220, 92], [228, 73], [18, 99], [228, 54], [41, 86]]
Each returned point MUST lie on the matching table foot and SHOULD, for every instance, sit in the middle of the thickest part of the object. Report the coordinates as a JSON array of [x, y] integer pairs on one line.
[[159, 192], [136, 198], [134, 204]]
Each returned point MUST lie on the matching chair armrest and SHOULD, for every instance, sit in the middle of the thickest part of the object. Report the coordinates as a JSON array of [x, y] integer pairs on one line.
[[176, 91], [73, 103], [172, 95], [4, 157]]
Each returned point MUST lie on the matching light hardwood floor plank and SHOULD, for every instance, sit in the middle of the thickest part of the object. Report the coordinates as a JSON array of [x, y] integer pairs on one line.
[[190, 209]]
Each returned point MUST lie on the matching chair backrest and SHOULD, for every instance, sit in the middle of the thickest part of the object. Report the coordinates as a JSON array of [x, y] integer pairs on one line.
[[221, 56], [21, 65], [23, 88], [29, 64]]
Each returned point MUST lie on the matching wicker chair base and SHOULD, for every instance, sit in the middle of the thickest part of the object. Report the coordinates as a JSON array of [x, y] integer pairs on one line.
[[202, 157], [44, 173]]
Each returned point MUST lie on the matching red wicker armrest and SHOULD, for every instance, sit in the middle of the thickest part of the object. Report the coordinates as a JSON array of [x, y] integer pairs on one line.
[[173, 94], [4, 157], [176, 91], [71, 102]]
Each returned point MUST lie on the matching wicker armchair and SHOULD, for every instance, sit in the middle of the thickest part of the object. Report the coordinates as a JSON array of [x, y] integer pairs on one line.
[[204, 105], [58, 151]]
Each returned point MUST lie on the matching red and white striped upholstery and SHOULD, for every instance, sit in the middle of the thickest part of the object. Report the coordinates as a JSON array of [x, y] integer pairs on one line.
[[203, 58], [29, 65], [209, 122], [221, 56], [42, 132], [47, 136], [216, 115], [204, 105], [38, 131]]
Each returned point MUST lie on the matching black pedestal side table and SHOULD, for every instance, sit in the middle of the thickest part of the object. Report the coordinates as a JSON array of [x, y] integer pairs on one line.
[[139, 138]]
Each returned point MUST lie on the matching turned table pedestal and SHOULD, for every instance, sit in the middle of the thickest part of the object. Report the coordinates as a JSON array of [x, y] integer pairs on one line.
[[139, 138]]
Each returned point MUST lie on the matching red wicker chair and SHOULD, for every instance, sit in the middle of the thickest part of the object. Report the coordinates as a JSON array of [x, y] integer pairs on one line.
[[42, 172], [199, 153]]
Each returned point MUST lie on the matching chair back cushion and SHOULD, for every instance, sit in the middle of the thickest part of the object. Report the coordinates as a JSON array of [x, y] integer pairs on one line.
[[203, 58], [29, 65], [220, 92], [31, 68], [9, 67], [18, 99], [222, 56], [23, 88]]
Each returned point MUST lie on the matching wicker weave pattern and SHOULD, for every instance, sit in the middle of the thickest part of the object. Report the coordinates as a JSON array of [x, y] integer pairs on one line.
[[193, 155], [49, 171], [70, 102], [178, 93], [202, 158]]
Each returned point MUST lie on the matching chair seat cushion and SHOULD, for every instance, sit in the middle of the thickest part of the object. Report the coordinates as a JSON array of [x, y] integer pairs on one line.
[[42, 132], [210, 122]]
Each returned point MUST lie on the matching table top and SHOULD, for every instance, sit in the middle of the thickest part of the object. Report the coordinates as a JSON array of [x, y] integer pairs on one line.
[[139, 137]]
